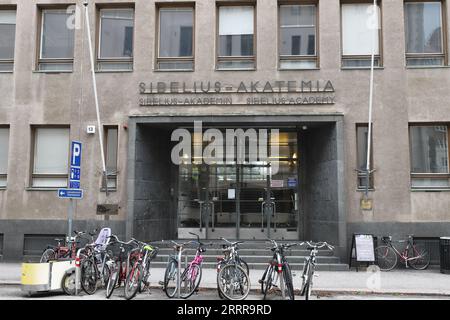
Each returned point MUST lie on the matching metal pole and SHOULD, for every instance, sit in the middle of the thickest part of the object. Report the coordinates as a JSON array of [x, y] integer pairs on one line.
[[71, 210], [179, 275], [94, 84], [372, 64]]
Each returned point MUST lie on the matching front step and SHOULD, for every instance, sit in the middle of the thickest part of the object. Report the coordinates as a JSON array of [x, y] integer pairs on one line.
[[255, 253]]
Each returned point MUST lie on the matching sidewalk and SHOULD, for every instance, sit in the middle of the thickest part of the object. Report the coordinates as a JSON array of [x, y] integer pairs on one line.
[[428, 282]]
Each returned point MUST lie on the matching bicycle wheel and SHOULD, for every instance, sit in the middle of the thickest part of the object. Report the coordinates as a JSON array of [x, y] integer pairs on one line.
[[309, 283], [190, 280], [105, 275], [234, 282], [244, 265], [305, 274], [222, 264], [170, 279], [386, 257], [112, 279], [420, 259], [144, 283], [68, 283], [132, 282], [288, 286], [48, 255], [88, 276], [267, 280]]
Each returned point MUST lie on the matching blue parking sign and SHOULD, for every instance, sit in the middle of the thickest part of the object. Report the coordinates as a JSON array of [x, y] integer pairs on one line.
[[74, 184], [75, 157], [75, 173]]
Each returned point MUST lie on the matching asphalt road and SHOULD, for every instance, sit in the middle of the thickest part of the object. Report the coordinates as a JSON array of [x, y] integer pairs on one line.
[[13, 292]]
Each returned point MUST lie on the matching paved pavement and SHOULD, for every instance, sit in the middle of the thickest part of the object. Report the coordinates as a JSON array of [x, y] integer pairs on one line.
[[406, 282]]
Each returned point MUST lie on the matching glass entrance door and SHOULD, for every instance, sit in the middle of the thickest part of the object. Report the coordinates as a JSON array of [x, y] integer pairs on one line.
[[241, 201]]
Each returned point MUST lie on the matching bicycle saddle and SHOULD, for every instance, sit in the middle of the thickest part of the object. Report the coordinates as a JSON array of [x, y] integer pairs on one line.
[[59, 240]]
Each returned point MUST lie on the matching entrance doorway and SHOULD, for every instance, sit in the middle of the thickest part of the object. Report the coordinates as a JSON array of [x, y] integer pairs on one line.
[[254, 200]]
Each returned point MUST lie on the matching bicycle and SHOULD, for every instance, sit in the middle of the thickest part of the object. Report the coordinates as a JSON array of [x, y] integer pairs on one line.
[[233, 281], [90, 270], [278, 270], [139, 259], [59, 252], [118, 265], [414, 255], [188, 282], [310, 266]]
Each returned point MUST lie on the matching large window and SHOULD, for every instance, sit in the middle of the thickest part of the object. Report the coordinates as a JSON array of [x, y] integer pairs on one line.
[[298, 37], [176, 39], [358, 26], [236, 37], [56, 41], [51, 157], [4, 148], [116, 39], [7, 39], [362, 131], [111, 139], [424, 34], [429, 156]]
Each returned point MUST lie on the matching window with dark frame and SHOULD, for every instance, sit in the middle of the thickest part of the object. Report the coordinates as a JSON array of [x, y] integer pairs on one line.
[[424, 33], [56, 43], [7, 39], [429, 156], [357, 29], [298, 33], [116, 32], [50, 158], [236, 40], [362, 131], [4, 151], [111, 150], [175, 39]]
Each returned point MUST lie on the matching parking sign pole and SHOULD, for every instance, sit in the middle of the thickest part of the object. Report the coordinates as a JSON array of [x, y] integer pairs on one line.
[[70, 216]]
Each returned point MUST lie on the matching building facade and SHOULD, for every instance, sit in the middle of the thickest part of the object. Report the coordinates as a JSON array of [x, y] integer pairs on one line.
[[299, 67]]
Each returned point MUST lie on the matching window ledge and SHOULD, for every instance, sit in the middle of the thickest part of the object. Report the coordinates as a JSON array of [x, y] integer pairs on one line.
[[6, 71], [430, 189], [236, 69], [114, 71], [299, 69], [361, 68], [109, 190], [52, 72], [364, 190], [3, 188], [173, 70], [44, 189], [427, 67]]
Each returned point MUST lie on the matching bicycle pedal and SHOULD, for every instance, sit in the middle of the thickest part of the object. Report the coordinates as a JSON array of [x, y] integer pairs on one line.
[[260, 281], [161, 283]]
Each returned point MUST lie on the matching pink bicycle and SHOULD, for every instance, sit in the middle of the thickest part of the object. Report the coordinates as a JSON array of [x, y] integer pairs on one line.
[[186, 283]]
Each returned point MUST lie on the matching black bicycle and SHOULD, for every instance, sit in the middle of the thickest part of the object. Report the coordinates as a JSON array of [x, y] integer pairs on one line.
[[278, 272]]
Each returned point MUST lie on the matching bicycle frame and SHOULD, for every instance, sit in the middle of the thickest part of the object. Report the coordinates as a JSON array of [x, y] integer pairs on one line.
[[404, 254]]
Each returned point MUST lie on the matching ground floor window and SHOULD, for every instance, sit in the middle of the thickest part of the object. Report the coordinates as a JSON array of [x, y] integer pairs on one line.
[[50, 157], [429, 156]]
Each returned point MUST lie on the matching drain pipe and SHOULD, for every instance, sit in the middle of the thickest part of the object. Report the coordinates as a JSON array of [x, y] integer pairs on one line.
[[94, 84], [372, 65]]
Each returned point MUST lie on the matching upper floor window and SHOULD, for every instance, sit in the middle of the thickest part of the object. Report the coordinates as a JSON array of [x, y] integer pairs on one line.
[[176, 39], [429, 156], [56, 41], [236, 38], [116, 39], [4, 149], [50, 157], [298, 31], [424, 34], [358, 25], [7, 39]]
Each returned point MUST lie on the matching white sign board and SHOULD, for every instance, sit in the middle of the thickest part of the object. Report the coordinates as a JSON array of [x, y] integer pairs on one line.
[[231, 193], [364, 248]]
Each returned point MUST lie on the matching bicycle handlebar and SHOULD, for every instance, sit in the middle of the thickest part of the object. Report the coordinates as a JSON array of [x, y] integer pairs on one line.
[[318, 245]]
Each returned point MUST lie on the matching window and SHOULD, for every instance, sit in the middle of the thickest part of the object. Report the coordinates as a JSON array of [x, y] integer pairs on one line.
[[57, 41], [51, 157], [116, 39], [357, 30], [362, 131], [236, 38], [7, 39], [176, 39], [424, 34], [111, 138], [298, 37], [429, 156], [4, 149]]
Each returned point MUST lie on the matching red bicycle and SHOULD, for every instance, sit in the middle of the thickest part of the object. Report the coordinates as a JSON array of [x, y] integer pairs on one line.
[[59, 252], [118, 266]]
